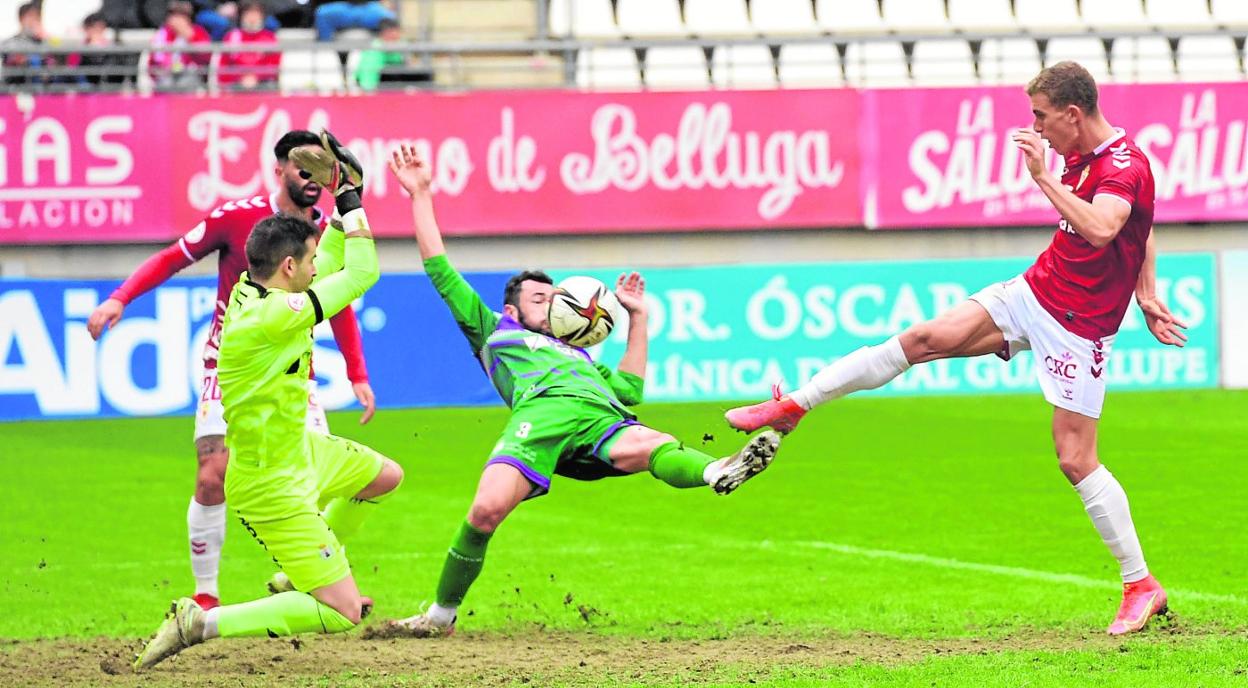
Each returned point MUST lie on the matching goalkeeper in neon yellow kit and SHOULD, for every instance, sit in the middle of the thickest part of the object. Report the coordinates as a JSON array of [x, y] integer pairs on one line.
[[299, 494]]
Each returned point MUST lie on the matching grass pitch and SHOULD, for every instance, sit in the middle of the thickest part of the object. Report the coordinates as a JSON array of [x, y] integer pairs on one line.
[[893, 542]]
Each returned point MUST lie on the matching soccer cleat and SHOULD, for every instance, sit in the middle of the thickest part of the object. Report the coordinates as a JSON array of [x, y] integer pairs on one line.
[[279, 582], [1141, 601], [206, 601], [751, 460], [418, 626], [183, 627], [780, 413]]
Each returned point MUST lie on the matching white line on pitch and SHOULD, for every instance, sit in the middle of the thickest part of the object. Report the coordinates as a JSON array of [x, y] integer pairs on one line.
[[997, 569], [70, 193]]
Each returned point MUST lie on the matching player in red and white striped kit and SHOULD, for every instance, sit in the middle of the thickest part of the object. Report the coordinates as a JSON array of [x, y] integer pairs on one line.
[[1066, 308], [224, 231]]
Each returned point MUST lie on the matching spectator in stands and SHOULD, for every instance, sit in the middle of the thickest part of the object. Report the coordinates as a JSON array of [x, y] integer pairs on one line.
[[373, 62], [350, 14], [23, 67], [173, 68], [219, 16], [250, 70], [108, 68]]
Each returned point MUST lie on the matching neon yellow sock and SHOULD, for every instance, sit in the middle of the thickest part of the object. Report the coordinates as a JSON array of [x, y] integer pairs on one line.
[[287, 613], [345, 515]]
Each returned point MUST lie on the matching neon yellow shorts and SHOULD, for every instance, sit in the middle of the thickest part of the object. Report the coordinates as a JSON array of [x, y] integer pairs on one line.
[[283, 511]]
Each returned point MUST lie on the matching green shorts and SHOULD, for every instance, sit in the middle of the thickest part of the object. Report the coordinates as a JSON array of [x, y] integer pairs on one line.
[[561, 435], [282, 509]]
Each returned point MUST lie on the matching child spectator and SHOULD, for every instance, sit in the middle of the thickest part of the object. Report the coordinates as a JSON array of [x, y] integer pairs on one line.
[[172, 68], [249, 70]]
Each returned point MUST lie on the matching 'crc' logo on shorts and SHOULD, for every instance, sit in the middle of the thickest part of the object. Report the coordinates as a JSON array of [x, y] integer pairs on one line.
[[1060, 368]]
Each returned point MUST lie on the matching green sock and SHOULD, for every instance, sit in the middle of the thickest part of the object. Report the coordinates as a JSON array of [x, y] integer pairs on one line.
[[463, 564], [678, 465], [283, 614]]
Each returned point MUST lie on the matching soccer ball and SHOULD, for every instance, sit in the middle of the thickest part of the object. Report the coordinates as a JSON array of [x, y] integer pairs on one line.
[[582, 311]]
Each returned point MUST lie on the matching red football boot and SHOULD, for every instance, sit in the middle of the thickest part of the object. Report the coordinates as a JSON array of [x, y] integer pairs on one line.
[[780, 413], [1141, 601]]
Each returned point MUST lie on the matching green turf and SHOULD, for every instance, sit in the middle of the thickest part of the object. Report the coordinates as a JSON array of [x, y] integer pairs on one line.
[[881, 515]]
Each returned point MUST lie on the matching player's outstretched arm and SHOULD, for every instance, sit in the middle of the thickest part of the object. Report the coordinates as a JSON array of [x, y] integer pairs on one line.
[[1161, 322], [630, 289], [152, 273], [1097, 222], [414, 175]]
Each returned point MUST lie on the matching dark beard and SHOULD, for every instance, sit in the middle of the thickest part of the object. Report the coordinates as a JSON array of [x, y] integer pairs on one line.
[[295, 191]]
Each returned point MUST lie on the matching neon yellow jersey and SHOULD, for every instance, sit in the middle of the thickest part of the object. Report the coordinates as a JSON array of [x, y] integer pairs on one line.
[[266, 351]]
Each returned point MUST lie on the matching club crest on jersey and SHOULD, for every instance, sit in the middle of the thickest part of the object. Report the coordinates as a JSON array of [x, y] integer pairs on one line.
[[1083, 177], [296, 302]]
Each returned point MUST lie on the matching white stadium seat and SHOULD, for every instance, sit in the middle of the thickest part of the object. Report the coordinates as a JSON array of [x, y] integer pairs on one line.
[[582, 19], [310, 70], [982, 16], [1208, 58], [1008, 61], [717, 18], [1114, 15], [743, 66], [810, 65], [650, 18], [1048, 16], [783, 17], [1233, 14], [676, 67], [1147, 59], [850, 16], [1178, 14], [876, 63], [9, 26], [1088, 51], [915, 16], [63, 18], [608, 69], [940, 62]]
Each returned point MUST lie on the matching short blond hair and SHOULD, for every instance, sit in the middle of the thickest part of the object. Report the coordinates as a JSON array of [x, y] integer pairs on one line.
[[1066, 83]]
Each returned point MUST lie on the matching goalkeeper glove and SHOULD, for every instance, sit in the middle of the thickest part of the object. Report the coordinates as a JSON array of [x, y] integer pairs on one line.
[[335, 168]]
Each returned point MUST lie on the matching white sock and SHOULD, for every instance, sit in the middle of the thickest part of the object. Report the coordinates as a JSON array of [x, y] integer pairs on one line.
[[206, 527], [1106, 504], [442, 616], [210, 623], [712, 471], [866, 368]]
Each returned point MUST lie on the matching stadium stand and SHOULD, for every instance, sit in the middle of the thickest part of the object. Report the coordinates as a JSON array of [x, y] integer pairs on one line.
[[942, 62], [1008, 61], [1232, 14], [779, 17], [676, 67], [650, 18], [743, 66], [1114, 15], [982, 16], [1088, 51], [876, 64], [1208, 58], [1145, 59], [810, 65], [718, 18], [608, 69], [1048, 16], [583, 19], [849, 17], [915, 16]]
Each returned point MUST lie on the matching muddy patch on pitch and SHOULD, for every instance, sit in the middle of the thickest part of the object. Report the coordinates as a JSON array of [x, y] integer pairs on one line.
[[491, 659]]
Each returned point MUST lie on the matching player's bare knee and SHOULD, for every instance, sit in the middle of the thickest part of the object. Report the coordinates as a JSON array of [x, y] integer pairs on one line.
[[387, 481], [486, 516], [1076, 464], [919, 342], [350, 609]]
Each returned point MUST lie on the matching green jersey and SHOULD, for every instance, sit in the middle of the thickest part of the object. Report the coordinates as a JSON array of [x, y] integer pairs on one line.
[[266, 351], [522, 363]]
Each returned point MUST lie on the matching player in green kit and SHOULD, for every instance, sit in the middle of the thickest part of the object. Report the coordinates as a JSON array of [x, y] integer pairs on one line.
[[300, 494], [569, 415]]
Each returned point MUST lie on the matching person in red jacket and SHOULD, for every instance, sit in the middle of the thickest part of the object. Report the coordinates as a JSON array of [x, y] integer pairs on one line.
[[249, 70], [224, 232], [173, 68]]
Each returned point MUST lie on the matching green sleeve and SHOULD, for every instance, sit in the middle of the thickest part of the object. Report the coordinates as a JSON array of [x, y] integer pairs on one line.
[[294, 312], [628, 388], [329, 251], [475, 320]]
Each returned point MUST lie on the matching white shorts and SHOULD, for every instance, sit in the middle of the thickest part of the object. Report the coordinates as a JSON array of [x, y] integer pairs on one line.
[[210, 415], [1071, 369]]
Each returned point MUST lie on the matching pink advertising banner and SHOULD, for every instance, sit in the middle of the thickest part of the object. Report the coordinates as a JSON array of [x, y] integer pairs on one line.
[[84, 169], [121, 169], [943, 157]]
